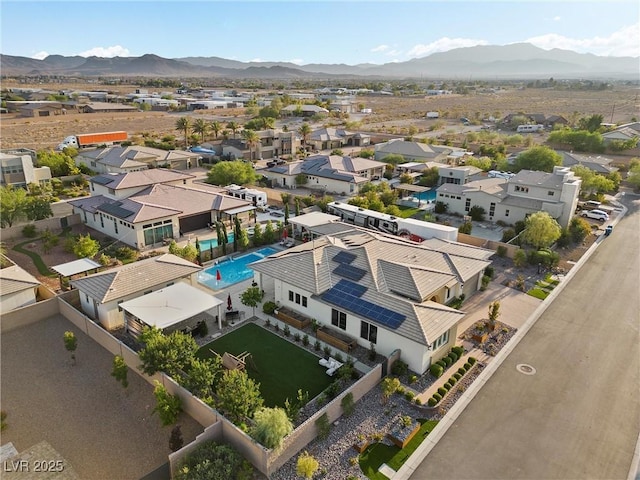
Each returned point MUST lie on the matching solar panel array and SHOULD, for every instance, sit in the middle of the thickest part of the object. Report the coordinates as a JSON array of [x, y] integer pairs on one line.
[[344, 257], [350, 272], [115, 209], [346, 294]]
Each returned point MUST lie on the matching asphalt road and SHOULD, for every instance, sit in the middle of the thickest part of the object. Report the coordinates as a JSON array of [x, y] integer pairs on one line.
[[578, 416]]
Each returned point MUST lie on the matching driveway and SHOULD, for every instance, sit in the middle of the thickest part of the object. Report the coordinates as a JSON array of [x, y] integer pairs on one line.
[[101, 429]]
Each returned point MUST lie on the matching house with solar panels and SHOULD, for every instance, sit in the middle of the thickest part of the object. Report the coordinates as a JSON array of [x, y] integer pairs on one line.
[[374, 288], [151, 207]]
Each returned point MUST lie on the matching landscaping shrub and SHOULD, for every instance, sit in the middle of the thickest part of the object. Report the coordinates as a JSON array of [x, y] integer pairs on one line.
[[458, 350], [443, 391], [453, 380], [29, 231], [347, 404], [471, 360], [462, 371], [485, 282], [267, 322], [269, 307], [453, 356], [447, 361], [442, 364], [436, 370], [432, 402], [457, 376], [297, 337], [400, 390], [332, 390], [317, 346], [501, 251], [467, 366], [437, 396], [277, 327], [413, 379], [489, 271], [417, 401], [327, 351], [399, 368], [305, 340], [448, 385], [286, 331], [338, 357], [212, 460], [323, 426]]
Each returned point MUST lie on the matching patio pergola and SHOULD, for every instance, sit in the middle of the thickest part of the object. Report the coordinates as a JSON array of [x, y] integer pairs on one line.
[[172, 308], [76, 267]]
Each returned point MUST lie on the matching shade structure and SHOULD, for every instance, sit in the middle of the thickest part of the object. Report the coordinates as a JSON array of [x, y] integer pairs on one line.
[[218, 276], [229, 304]]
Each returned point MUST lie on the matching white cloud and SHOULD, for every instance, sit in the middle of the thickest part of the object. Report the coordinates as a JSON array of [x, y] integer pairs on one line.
[[40, 55], [622, 43], [297, 61], [380, 48], [556, 18], [442, 45], [106, 52], [393, 53], [257, 60]]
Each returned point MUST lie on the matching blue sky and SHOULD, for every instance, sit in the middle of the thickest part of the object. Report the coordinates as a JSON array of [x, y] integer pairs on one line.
[[305, 32]]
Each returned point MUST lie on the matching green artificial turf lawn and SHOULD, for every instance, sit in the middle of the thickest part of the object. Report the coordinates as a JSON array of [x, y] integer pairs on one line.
[[37, 260], [279, 366], [377, 453]]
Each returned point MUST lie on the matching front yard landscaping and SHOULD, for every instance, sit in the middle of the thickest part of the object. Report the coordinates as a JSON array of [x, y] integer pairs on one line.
[[378, 453], [281, 367], [544, 287]]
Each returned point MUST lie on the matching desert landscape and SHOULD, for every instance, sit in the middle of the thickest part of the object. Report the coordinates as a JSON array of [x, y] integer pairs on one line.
[[390, 114]]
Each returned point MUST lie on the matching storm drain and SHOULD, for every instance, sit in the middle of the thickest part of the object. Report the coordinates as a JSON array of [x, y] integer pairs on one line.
[[526, 369]]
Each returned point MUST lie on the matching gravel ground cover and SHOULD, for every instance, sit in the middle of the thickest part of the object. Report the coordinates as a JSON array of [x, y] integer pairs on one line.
[[101, 429]]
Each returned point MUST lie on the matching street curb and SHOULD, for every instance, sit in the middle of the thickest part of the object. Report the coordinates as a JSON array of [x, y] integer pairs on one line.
[[416, 459]]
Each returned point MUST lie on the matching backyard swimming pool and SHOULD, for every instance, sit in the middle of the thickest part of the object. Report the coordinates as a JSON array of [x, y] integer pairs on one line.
[[232, 271], [425, 196], [213, 242]]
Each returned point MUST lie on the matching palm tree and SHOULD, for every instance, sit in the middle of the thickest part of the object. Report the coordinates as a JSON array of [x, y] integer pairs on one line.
[[200, 126], [234, 127], [184, 125], [252, 139], [216, 128], [305, 131], [268, 122]]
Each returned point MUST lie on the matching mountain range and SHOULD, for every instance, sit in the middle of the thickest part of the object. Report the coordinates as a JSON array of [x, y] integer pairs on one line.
[[515, 61]]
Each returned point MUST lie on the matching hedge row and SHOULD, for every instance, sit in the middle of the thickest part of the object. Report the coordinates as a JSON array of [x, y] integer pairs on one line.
[[442, 391], [438, 368]]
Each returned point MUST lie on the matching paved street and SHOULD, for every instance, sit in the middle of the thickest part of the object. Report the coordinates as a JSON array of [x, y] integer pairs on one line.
[[578, 416]]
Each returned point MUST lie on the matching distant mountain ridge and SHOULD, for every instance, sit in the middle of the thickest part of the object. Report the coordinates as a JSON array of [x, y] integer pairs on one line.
[[519, 60]]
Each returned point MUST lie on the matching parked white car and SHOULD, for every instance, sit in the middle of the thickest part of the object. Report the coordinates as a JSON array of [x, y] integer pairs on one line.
[[596, 215]]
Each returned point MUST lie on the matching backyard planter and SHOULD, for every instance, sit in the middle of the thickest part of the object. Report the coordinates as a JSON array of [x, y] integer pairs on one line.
[[402, 435], [361, 445], [480, 337]]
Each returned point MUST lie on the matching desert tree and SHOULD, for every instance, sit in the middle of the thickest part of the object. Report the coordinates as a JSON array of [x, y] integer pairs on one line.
[[71, 343], [183, 124]]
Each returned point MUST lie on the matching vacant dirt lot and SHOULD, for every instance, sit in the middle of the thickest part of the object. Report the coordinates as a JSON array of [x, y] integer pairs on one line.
[[617, 105]]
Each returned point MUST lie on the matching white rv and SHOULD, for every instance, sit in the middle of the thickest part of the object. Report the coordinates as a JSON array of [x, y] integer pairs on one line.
[[529, 128], [257, 197]]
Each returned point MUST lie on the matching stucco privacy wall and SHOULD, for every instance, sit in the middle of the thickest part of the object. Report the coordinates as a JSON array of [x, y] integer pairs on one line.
[[54, 224], [29, 314]]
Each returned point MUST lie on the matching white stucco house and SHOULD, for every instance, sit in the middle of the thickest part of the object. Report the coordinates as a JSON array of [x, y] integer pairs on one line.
[[327, 173], [118, 159], [149, 207], [420, 152], [102, 292], [378, 289], [18, 288], [513, 199]]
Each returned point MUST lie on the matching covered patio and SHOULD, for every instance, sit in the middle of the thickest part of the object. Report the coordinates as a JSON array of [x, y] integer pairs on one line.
[[66, 271], [177, 307]]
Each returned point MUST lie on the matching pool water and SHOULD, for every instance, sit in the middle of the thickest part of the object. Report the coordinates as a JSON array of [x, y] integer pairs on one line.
[[213, 242], [426, 195], [232, 271]]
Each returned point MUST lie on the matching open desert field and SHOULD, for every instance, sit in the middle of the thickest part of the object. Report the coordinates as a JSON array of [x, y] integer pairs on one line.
[[618, 105]]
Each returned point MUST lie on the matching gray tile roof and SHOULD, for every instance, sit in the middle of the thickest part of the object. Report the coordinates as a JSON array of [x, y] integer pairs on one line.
[[135, 277], [14, 279], [141, 178], [399, 275]]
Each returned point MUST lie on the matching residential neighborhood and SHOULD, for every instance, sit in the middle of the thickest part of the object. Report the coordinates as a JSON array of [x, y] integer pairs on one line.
[[229, 269]]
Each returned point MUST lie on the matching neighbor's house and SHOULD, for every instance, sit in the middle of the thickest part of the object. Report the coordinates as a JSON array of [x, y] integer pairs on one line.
[[273, 144], [18, 170], [335, 138], [105, 107], [598, 164], [511, 200], [101, 293], [151, 207], [303, 110], [624, 133], [374, 289], [327, 173], [420, 152], [18, 288], [118, 159], [459, 175]]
